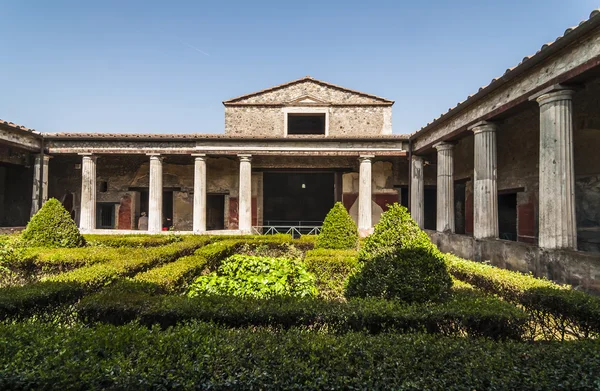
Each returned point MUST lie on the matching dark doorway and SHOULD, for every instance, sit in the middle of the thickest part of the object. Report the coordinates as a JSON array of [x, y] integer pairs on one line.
[[16, 184], [215, 211], [292, 198], [459, 207], [430, 206], [507, 216], [306, 123], [105, 215], [167, 201]]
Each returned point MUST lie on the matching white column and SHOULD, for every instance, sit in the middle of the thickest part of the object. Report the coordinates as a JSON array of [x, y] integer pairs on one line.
[[199, 193], [155, 194], [417, 190], [365, 226], [485, 192], [245, 194], [445, 187], [87, 218], [39, 185], [557, 224]]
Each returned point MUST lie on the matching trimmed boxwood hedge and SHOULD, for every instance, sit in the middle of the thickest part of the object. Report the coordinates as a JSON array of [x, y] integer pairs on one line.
[[134, 240], [558, 310], [204, 356], [465, 313], [172, 276], [52, 226], [339, 231], [398, 261], [67, 287]]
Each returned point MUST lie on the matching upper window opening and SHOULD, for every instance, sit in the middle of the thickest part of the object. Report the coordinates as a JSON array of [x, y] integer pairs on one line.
[[302, 123]]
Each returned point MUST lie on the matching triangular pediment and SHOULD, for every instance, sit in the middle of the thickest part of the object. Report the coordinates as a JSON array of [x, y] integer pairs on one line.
[[307, 100], [310, 92]]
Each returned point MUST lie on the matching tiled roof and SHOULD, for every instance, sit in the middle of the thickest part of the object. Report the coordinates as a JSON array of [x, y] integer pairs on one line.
[[204, 136], [528, 61], [18, 127], [304, 79]]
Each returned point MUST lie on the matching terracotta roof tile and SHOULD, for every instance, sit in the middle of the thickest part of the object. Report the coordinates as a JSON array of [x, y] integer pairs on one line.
[[16, 126]]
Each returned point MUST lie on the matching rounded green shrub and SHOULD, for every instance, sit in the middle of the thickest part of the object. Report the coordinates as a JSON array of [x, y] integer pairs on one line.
[[52, 226], [339, 231], [398, 261]]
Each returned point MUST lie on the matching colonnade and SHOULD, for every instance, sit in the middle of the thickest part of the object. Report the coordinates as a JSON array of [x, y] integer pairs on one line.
[[557, 224]]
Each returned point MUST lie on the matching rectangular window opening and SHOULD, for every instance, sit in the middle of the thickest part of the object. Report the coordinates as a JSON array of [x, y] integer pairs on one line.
[[306, 123]]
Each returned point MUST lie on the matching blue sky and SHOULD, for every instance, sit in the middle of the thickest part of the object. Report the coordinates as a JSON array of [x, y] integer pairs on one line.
[[165, 67]]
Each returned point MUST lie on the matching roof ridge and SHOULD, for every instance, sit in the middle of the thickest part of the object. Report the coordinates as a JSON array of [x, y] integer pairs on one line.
[[303, 79]]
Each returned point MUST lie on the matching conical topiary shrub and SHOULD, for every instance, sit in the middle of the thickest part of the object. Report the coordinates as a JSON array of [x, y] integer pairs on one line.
[[339, 230], [398, 261], [52, 226]]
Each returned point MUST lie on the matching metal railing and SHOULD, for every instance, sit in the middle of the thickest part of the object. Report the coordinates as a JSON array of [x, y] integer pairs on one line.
[[294, 228]]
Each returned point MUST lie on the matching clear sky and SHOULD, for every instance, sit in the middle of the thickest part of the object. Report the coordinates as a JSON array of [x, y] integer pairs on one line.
[[166, 66]]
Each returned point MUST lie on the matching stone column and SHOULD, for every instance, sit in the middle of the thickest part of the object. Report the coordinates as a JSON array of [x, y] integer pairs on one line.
[[155, 194], [445, 187], [417, 190], [39, 185], [557, 224], [485, 191], [365, 226], [200, 193], [245, 195], [87, 218]]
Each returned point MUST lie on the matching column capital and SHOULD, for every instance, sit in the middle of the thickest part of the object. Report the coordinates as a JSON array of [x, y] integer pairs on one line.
[[417, 157], [483, 126], [553, 93], [443, 146], [245, 157], [89, 155], [363, 158], [199, 156], [155, 156]]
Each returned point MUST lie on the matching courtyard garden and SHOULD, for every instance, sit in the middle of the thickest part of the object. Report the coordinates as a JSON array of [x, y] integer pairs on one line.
[[390, 311]]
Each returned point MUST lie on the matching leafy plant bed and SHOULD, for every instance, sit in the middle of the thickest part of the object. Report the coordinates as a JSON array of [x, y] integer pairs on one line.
[[467, 312], [205, 356], [331, 269], [556, 311], [258, 277]]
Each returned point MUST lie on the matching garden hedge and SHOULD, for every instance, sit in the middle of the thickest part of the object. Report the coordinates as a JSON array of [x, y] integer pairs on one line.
[[134, 240], [332, 269], [52, 226], [465, 313], [339, 231], [172, 276], [66, 287], [557, 309], [209, 357], [398, 261]]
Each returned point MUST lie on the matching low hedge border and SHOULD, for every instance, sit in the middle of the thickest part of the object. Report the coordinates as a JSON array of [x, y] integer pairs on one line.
[[557, 310], [332, 269], [204, 356], [23, 301], [465, 313], [174, 275], [134, 240]]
